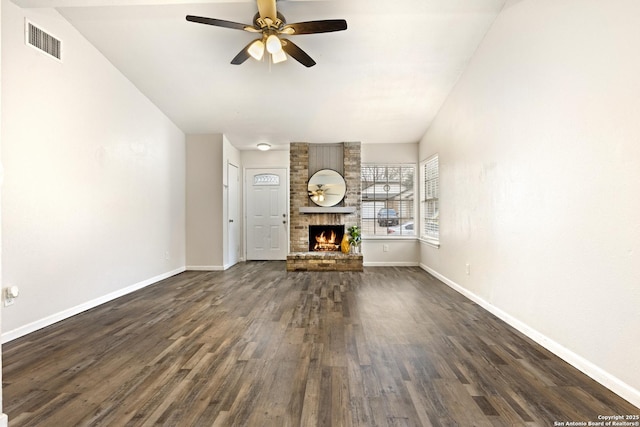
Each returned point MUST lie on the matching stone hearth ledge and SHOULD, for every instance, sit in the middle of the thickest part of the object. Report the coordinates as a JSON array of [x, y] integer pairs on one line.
[[324, 261]]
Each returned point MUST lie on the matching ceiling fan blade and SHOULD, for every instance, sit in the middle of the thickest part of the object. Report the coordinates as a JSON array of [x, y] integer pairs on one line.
[[267, 9], [221, 23], [313, 27], [298, 54], [243, 55]]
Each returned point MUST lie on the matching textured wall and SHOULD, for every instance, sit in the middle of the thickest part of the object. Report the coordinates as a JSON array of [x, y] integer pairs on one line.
[[540, 180], [204, 225], [93, 199]]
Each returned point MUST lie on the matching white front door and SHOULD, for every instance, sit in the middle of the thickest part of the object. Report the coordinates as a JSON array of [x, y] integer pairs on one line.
[[267, 219], [233, 230]]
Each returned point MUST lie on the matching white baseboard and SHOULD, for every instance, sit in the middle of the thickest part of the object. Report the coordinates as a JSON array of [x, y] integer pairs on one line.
[[211, 267], [50, 320], [608, 380], [205, 268], [391, 264], [4, 420]]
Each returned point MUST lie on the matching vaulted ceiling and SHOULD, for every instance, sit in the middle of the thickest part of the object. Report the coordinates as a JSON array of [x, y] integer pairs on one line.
[[380, 81]]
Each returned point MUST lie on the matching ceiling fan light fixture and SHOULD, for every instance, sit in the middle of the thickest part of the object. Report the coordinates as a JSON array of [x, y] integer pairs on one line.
[[279, 56], [263, 146], [274, 44], [256, 50], [271, 24]]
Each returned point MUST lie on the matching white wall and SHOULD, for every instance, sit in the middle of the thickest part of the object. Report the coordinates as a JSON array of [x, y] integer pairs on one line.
[[402, 251], [4, 421], [93, 195], [205, 233], [540, 181], [265, 159]]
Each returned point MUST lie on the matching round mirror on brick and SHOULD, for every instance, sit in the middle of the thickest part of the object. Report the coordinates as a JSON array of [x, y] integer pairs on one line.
[[326, 188]]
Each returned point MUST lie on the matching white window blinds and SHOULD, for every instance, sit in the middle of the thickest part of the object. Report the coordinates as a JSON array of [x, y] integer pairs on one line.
[[430, 199]]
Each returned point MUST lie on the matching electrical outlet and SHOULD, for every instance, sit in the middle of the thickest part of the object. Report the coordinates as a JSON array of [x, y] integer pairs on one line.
[[166, 255], [468, 269], [10, 294], [385, 248]]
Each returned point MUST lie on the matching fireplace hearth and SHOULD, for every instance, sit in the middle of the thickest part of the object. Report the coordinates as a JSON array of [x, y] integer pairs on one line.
[[325, 238]]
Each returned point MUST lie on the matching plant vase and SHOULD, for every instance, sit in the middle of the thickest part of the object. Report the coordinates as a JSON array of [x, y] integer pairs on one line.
[[354, 239]]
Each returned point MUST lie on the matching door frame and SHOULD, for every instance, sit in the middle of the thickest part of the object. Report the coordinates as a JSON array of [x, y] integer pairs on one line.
[[229, 260], [245, 192]]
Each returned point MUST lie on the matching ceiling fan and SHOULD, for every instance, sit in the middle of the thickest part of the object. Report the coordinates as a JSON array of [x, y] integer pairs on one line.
[[317, 194], [320, 192], [272, 26]]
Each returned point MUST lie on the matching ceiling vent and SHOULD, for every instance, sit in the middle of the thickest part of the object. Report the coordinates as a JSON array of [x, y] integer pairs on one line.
[[39, 39]]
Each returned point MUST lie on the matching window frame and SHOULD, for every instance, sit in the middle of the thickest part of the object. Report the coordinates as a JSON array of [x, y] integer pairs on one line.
[[414, 210], [430, 193]]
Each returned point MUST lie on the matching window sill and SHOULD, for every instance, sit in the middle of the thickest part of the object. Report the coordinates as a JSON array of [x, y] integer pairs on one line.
[[430, 242]]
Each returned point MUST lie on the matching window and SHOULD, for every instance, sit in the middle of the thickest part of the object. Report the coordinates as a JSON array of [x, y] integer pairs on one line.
[[266, 179], [387, 200], [430, 192]]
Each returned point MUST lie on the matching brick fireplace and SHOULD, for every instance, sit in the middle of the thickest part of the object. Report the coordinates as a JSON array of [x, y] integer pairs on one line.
[[305, 160]]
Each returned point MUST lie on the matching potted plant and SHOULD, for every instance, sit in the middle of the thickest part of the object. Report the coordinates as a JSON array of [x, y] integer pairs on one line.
[[355, 238]]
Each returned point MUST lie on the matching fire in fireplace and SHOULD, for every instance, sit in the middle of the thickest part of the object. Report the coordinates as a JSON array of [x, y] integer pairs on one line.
[[325, 238]]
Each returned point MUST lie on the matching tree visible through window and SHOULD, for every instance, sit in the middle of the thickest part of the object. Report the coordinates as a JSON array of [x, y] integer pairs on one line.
[[430, 207], [388, 200]]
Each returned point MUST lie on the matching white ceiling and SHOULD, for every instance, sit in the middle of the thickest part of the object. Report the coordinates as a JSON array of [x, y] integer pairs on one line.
[[380, 81]]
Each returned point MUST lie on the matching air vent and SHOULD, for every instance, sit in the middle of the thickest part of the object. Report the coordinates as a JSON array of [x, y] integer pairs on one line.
[[39, 39]]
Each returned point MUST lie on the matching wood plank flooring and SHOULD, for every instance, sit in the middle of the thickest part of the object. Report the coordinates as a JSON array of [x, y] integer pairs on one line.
[[257, 346]]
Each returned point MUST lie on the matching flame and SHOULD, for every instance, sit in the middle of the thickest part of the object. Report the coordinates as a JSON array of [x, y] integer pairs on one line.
[[326, 242]]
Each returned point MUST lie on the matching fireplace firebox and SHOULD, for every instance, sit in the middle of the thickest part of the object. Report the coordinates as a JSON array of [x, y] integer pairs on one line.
[[325, 238]]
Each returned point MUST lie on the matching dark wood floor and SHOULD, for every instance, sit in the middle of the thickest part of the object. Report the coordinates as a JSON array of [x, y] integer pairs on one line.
[[257, 346]]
